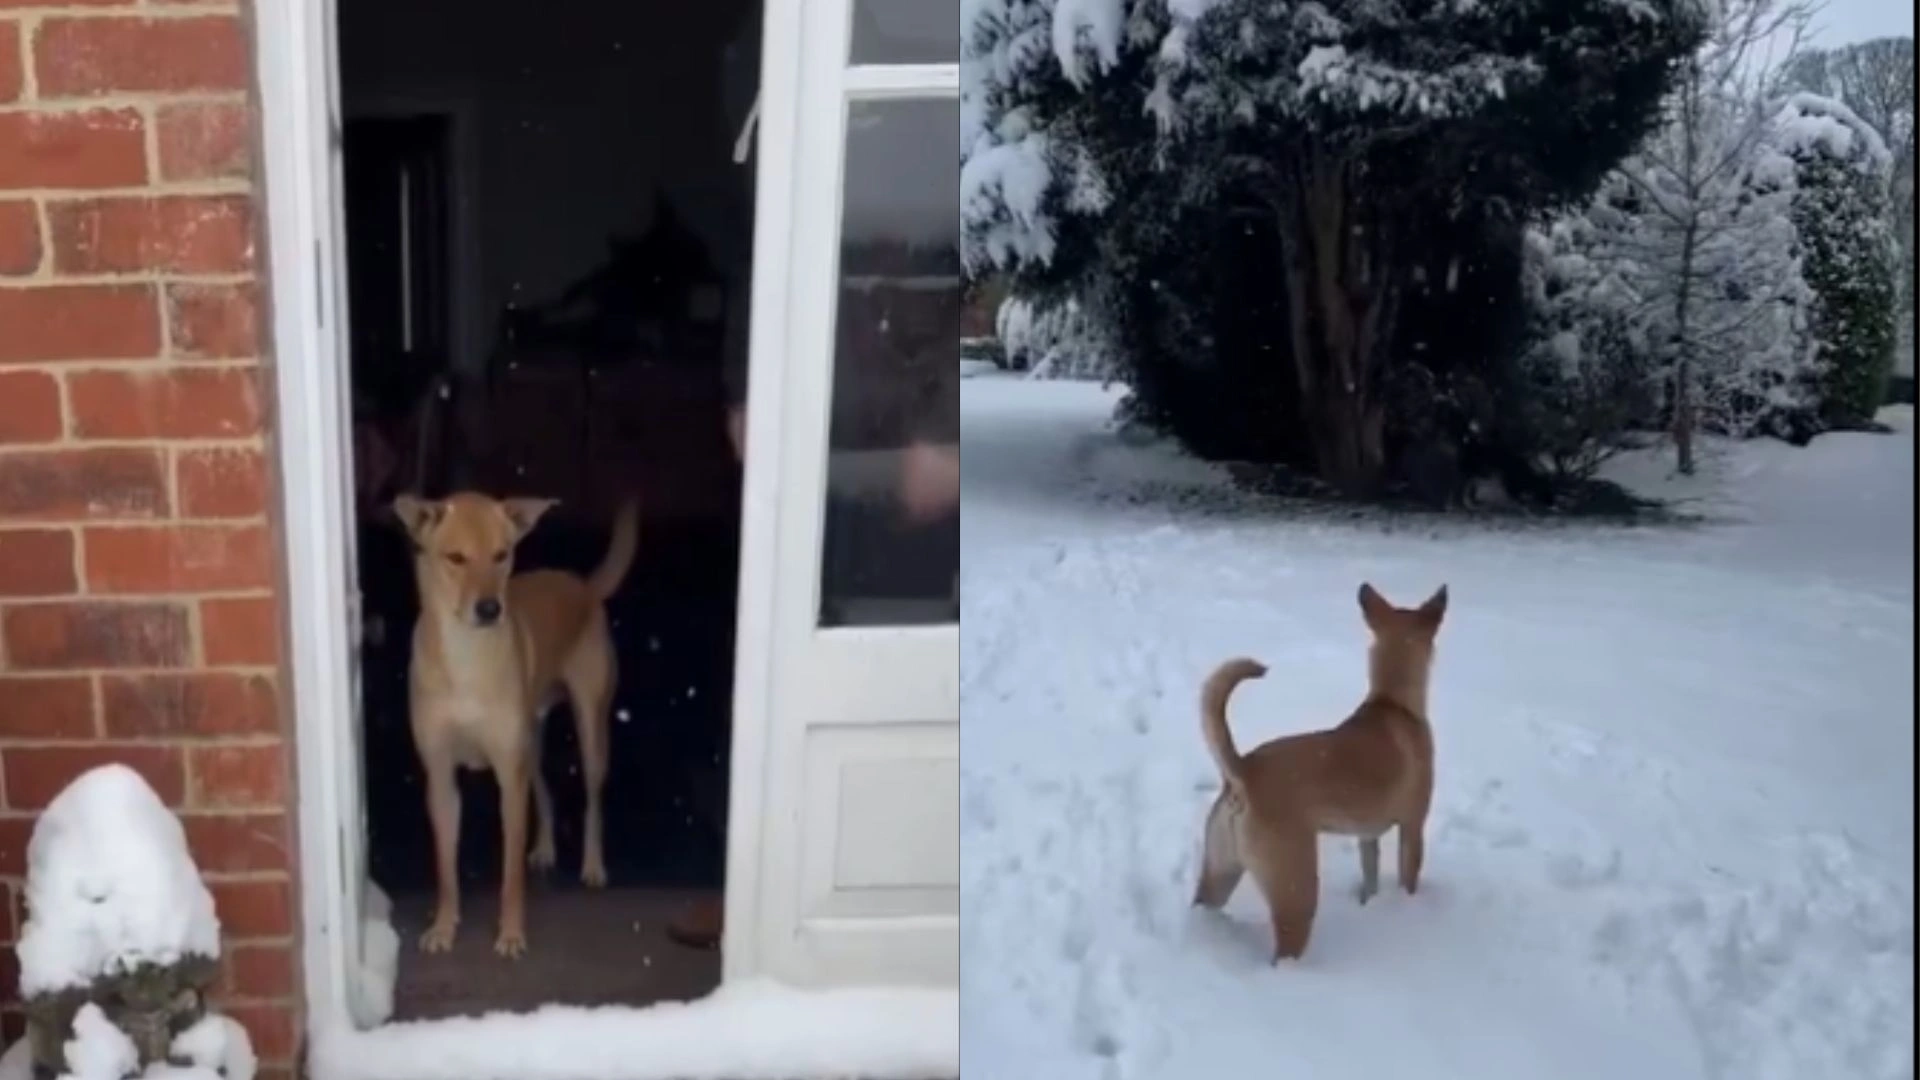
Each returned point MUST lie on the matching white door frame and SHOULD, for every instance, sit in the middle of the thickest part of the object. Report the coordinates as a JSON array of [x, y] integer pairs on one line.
[[296, 69], [292, 43]]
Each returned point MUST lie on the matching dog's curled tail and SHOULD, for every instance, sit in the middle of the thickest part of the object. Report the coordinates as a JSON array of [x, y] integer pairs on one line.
[[1213, 713], [606, 577]]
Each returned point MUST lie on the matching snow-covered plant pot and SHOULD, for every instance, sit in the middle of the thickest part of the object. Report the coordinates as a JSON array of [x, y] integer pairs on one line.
[[120, 945]]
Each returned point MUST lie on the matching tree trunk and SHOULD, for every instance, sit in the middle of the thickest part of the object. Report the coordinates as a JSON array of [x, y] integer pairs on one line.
[[1342, 298], [1683, 397], [1683, 403]]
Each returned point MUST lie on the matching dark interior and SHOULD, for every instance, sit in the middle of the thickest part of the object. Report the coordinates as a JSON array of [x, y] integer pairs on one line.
[[544, 232]]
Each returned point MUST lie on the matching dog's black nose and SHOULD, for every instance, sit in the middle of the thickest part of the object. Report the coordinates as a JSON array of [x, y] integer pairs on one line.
[[487, 612]]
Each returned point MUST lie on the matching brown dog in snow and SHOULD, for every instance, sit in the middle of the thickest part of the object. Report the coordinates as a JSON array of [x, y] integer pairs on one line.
[[492, 652], [1372, 773]]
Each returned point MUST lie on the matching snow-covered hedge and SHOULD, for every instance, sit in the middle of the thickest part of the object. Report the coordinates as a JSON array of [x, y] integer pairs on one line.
[[1849, 252]]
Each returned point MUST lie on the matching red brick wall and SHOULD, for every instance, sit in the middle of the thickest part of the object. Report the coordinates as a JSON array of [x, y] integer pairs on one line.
[[138, 615]]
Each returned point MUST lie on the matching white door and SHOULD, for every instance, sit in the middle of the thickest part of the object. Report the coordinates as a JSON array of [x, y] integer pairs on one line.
[[843, 861]]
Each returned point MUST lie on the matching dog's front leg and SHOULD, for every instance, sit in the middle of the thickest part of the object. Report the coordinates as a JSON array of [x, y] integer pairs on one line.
[[514, 783], [443, 811]]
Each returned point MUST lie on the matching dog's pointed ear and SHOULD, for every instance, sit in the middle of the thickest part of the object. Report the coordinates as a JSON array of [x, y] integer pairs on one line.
[[524, 514], [1435, 609], [1373, 606], [418, 516]]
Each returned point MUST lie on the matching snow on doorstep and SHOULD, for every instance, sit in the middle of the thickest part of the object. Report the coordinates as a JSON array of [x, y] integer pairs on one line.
[[750, 1030], [379, 966], [1672, 834], [110, 885]]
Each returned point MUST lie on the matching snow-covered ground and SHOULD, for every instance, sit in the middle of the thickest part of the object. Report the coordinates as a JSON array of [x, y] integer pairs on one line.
[[1673, 828]]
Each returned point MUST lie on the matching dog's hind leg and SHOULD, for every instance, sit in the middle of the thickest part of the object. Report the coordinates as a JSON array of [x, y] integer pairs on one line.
[[591, 675], [1369, 868], [543, 855], [1285, 863], [1220, 866]]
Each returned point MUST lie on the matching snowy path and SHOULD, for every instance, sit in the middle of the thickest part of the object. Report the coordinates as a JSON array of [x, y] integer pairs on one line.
[[1672, 835]]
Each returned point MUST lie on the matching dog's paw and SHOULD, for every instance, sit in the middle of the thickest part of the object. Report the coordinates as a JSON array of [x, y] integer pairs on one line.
[[439, 936], [511, 943], [1364, 892], [542, 856], [593, 875]]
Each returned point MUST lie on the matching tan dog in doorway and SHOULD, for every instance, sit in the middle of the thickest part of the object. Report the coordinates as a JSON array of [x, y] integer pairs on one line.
[[492, 652], [1372, 773]]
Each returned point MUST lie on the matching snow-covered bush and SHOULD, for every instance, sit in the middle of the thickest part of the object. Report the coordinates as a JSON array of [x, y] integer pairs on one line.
[[1586, 362], [1056, 341], [1241, 190], [1849, 251], [120, 944]]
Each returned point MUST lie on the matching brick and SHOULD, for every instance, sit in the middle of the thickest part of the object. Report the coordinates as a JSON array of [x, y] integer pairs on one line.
[[37, 562], [12, 79], [29, 407], [5, 4], [206, 141], [238, 777], [253, 908], [94, 57], [86, 148], [78, 322], [238, 843], [35, 774], [165, 403], [144, 559], [101, 483], [240, 630], [257, 971], [59, 707], [181, 234], [15, 832], [19, 236], [67, 636], [222, 483], [201, 703], [214, 321]]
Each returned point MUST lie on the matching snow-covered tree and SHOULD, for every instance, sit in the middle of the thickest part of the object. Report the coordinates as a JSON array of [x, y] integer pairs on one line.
[[1849, 254], [1051, 340], [1695, 229], [1120, 152], [1585, 363]]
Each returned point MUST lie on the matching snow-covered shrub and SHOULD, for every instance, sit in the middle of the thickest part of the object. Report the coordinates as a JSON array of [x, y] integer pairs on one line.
[[1056, 341], [1586, 362], [1124, 154], [120, 944], [1849, 251]]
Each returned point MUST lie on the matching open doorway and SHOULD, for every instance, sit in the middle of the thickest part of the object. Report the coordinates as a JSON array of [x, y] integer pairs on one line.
[[547, 243]]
